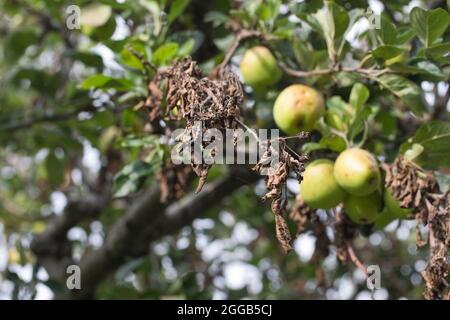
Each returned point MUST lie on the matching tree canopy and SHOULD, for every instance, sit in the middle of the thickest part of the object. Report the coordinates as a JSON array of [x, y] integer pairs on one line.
[[91, 93]]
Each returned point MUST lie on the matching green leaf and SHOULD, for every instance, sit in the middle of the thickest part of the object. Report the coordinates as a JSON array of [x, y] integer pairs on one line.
[[387, 52], [133, 141], [17, 42], [267, 11], [176, 9], [129, 59], [429, 25], [329, 141], [359, 96], [439, 52], [304, 53], [388, 123], [430, 69], [414, 152], [187, 48], [217, 18], [409, 92], [312, 146], [165, 53], [387, 31], [333, 142], [404, 34], [95, 15], [100, 81], [103, 32], [426, 69], [338, 116], [39, 80], [185, 39], [331, 21], [434, 137], [131, 178], [308, 7], [89, 59]]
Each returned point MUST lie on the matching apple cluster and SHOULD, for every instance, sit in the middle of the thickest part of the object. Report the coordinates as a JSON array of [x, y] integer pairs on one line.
[[353, 179]]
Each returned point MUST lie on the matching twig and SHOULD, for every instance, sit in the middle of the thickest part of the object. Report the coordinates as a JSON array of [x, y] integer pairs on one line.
[[354, 258], [370, 73], [241, 35], [147, 65], [51, 118], [47, 118], [244, 34]]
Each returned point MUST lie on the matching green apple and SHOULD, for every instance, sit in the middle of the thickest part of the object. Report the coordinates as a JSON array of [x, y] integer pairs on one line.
[[364, 209], [383, 219], [259, 68], [298, 108], [393, 205], [357, 172], [318, 188]]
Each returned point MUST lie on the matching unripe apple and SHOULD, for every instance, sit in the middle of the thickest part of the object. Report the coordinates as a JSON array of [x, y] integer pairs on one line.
[[383, 219], [364, 209], [298, 108], [393, 205], [318, 188], [357, 172], [259, 68]]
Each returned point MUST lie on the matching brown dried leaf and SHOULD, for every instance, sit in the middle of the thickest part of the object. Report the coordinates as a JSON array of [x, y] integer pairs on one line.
[[283, 234]]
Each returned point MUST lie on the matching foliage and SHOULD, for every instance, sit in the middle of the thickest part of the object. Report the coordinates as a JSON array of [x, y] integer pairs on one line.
[[74, 123]]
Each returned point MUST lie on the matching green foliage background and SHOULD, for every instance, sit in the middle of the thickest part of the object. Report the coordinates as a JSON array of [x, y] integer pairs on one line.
[[71, 127]]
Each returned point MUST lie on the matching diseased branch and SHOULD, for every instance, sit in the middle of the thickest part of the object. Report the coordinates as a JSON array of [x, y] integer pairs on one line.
[[149, 220]]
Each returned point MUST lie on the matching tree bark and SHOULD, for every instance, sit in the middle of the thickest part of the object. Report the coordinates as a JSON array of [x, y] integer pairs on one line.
[[147, 220]]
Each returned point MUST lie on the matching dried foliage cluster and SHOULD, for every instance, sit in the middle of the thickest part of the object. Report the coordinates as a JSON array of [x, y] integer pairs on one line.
[[276, 178], [182, 92], [345, 231], [307, 218], [419, 190], [413, 187], [437, 271], [173, 180], [204, 103]]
